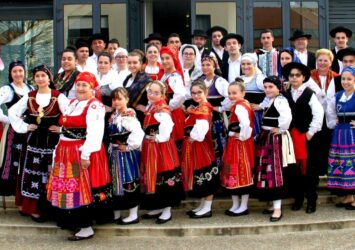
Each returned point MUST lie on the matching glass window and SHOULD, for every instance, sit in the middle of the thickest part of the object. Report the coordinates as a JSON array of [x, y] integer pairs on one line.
[[114, 22], [77, 22], [27, 41], [267, 15], [304, 16], [222, 14]]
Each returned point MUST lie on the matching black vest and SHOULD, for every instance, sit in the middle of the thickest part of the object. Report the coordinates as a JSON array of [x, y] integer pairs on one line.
[[301, 111], [270, 117]]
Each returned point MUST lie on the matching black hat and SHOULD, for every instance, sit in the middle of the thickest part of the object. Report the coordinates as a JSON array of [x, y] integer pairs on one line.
[[98, 36], [239, 38], [299, 34], [154, 36], [81, 43], [333, 32], [275, 80], [200, 33], [216, 28], [349, 51], [295, 65]]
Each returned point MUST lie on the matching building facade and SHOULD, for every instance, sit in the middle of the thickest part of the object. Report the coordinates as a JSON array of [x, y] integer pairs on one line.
[[37, 31]]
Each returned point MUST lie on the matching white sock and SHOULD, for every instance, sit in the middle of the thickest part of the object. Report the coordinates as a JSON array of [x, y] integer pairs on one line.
[[276, 204], [243, 205], [206, 208], [200, 206], [235, 206], [155, 212], [166, 214], [133, 214], [117, 214], [85, 232]]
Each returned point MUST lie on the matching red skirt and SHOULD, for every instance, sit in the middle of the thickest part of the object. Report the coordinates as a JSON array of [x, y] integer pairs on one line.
[[178, 117], [70, 186], [238, 162], [157, 158], [195, 156], [300, 147]]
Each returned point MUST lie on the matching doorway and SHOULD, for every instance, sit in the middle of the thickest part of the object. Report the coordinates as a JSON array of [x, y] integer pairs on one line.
[[166, 17]]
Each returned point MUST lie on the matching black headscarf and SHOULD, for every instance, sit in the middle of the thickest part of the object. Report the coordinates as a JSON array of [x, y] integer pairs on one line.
[[46, 70], [13, 65]]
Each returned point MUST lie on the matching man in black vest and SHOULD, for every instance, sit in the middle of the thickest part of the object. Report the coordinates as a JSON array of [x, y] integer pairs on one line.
[[341, 36], [231, 64], [199, 38], [301, 54], [216, 33]]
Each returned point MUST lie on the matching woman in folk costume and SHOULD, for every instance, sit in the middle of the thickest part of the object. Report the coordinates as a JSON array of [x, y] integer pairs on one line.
[[217, 96], [173, 79], [274, 149], [121, 66], [198, 160], [160, 165], [12, 143], [80, 184], [253, 79], [43, 107], [340, 114], [126, 136], [153, 67], [238, 157], [64, 81], [190, 59], [323, 76], [307, 119], [136, 83]]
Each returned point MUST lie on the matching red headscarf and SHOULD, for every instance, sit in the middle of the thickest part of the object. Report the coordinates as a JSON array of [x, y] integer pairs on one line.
[[174, 53], [90, 79]]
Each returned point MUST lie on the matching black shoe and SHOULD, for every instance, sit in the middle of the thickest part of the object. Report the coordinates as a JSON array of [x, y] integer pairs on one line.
[[162, 221], [40, 219], [311, 208], [205, 215], [228, 212], [245, 212], [274, 219], [342, 205], [150, 216], [190, 212], [77, 238], [268, 211], [296, 206], [350, 207], [121, 222]]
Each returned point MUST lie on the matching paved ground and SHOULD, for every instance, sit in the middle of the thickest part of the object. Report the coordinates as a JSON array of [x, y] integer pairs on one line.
[[332, 239]]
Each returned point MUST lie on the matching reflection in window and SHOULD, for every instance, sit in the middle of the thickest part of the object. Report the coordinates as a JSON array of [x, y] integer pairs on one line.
[[27, 41], [77, 22], [222, 14], [267, 15], [114, 22], [304, 16]]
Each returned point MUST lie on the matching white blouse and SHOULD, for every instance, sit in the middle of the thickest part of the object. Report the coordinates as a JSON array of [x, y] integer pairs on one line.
[[316, 107], [111, 79], [244, 123], [222, 88], [7, 94], [131, 124], [282, 106], [165, 127], [331, 113], [177, 85], [95, 125], [18, 109], [199, 130]]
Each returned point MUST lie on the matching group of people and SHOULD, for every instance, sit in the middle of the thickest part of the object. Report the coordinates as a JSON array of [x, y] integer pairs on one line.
[[120, 131]]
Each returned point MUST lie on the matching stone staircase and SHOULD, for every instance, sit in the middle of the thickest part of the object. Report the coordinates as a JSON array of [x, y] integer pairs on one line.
[[327, 217]]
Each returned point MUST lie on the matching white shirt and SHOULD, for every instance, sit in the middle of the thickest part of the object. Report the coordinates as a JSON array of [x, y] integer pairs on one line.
[[331, 113], [219, 52], [90, 66], [18, 109], [111, 79], [303, 56], [222, 88], [94, 59], [234, 69], [177, 85], [165, 127], [316, 107], [282, 106], [244, 123], [6, 95], [341, 67], [199, 130]]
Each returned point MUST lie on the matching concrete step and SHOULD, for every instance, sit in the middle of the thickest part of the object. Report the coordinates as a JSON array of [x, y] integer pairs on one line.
[[327, 217]]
